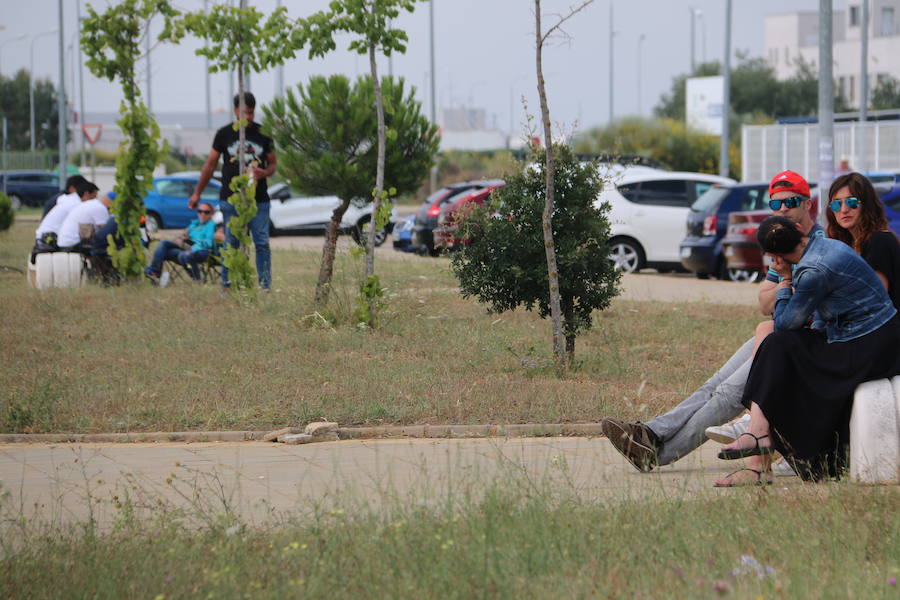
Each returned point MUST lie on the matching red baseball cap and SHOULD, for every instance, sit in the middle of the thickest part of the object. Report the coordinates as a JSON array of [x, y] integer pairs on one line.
[[789, 181]]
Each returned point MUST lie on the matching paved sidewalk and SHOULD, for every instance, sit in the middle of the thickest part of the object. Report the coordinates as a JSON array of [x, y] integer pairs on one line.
[[53, 482]]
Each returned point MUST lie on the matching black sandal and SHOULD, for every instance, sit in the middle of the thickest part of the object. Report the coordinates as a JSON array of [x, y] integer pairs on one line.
[[733, 453], [759, 479]]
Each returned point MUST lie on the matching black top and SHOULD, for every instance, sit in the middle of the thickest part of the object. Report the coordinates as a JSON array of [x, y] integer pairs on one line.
[[882, 252], [256, 147]]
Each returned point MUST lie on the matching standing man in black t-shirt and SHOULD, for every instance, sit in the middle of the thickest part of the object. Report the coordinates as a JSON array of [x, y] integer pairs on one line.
[[259, 158]]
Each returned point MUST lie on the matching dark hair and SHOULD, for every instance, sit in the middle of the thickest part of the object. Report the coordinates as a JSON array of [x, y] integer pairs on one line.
[[85, 187], [249, 100], [74, 180], [778, 235], [871, 212]]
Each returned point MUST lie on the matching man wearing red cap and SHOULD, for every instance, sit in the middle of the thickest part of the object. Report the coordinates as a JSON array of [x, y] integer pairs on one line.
[[671, 436]]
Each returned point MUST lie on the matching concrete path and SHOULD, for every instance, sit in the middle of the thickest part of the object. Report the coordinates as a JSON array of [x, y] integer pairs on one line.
[[58, 482]]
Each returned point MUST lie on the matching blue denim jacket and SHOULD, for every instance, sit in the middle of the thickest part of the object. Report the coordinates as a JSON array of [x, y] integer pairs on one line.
[[835, 282]]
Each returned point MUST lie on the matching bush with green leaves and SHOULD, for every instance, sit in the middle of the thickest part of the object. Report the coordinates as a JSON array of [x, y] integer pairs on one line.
[[7, 215], [502, 262]]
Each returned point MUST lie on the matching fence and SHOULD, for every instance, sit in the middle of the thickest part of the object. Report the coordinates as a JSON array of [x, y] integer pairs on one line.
[[768, 149], [41, 161]]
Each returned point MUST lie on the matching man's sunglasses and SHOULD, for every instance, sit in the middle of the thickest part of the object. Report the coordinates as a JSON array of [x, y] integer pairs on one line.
[[204, 212], [852, 203], [792, 202]]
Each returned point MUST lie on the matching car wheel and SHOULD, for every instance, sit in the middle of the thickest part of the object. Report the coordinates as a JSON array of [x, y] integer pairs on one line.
[[744, 275], [627, 255], [16, 202], [361, 232], [153, 223]]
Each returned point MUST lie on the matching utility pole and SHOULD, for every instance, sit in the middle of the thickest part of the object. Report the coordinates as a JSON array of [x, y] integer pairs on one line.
[[863, 88], [693, 20], [206, 76], [726, 95], [433, 180], [61, 103], [611, 34], [149, 88], [279, 73], [80, 84], [640, 45], [826, 105]]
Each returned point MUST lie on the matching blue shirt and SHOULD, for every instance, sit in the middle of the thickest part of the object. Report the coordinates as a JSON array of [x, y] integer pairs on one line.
[[836, 283], [201, 234]]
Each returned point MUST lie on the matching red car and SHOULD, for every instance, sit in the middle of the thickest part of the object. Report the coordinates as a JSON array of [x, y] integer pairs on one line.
[[743, 256], [452, 213]]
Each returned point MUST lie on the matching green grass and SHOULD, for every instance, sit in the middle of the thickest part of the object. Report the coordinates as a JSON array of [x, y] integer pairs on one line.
[[138, 358], [516, 538]]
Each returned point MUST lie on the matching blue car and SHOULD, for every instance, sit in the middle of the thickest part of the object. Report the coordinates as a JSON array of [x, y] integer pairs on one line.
[[707, 221], [166, 203]]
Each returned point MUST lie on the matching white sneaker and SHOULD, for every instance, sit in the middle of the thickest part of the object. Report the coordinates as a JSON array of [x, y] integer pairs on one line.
[[727, 433], [781, 468], [164, 279]]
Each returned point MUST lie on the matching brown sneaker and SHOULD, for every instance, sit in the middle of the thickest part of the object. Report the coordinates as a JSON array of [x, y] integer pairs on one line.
[[635, 441]]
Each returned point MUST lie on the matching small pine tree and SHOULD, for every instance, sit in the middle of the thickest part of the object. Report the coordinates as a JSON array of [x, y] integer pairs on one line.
[[502, 262]]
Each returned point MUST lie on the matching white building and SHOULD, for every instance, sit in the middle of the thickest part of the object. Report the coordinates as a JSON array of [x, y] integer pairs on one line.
[[793, 36]]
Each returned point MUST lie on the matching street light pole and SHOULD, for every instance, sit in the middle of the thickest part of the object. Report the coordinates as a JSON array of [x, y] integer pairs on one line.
[[206, 76], [61, 104], [80, 83], [640, 45], [433, 179], [31, 87], [726, 95], [826, 104], [693, 12], [611, 34]]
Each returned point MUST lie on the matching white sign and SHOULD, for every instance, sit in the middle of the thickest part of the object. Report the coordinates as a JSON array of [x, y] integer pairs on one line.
[[703, 104]]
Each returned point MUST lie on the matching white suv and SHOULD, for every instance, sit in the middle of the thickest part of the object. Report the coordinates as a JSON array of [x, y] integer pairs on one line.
[[312, 213], [649, 208]]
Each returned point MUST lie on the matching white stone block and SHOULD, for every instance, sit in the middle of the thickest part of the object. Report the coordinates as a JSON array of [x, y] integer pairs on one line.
[[320, 427], [875, 433]]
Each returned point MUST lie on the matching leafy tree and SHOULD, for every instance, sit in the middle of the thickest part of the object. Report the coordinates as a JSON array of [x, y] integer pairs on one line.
[[239, 40], [666, 140], [112, 42], [7, 215], [370, 22], [326, 136], [503, 260], [887, 94], [14, 105]]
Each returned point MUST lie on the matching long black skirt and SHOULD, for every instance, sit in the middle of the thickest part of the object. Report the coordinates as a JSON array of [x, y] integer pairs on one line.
[[805, 387]]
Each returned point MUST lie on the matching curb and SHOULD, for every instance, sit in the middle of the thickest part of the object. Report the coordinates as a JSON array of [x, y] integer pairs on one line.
[[344, 433]]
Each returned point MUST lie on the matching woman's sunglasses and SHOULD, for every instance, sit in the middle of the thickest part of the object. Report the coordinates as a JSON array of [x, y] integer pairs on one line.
[[792, 202], [852, 203], [204, 212]]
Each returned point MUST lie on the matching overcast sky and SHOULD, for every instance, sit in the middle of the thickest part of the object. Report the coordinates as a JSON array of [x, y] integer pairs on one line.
[[484, 54]]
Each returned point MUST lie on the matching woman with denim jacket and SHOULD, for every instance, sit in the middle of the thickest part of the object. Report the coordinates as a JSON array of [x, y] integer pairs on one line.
[[801, 384]]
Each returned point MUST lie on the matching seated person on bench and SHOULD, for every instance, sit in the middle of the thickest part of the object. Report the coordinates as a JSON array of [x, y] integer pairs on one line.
[[48, 231], [81, 223], [189, 249]]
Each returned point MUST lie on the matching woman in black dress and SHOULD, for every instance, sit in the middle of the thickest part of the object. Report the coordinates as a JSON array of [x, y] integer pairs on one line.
[[802, 381], [856, 217]]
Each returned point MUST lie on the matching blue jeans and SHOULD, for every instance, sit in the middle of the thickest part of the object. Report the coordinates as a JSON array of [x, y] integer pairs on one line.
[[167, 250], [259, 230], [683, 429]]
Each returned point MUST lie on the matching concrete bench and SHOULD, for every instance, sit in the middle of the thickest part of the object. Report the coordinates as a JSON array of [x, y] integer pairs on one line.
[[875, 432], [56, 269]]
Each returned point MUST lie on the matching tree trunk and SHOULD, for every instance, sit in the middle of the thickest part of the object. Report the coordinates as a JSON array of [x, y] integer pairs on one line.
[[379, 169], [326, 270], [568, 308], [550, 169]]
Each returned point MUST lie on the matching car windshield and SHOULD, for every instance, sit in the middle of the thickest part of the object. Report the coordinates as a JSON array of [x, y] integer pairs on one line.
[[710, 200]]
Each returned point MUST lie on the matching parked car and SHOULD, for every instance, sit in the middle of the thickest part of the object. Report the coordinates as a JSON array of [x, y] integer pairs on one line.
[[166, 204], [29, 188], [292, 213], [456, 209], [430, 210], [648, 210], [743, 257], [707, 222]]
